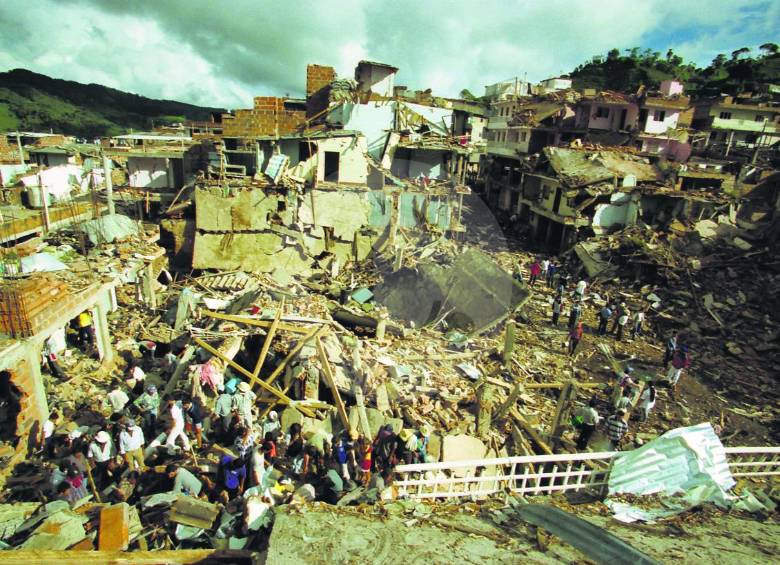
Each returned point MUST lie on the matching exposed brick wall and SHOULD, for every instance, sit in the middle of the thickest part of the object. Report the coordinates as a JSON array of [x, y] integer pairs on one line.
[[267, 116], [50, 140], [317, 77]]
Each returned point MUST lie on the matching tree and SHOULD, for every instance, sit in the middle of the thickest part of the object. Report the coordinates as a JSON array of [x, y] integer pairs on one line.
[[770, 48], [741, 51], [613, 54], [719, 60]]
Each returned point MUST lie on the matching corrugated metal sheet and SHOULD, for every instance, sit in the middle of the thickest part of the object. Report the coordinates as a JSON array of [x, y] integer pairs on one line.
[[677, 461]]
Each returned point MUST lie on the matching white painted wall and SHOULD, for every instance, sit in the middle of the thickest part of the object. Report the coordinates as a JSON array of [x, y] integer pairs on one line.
[[623, 210], [148, 172], [374, 120], [669, 121], [353, 166]]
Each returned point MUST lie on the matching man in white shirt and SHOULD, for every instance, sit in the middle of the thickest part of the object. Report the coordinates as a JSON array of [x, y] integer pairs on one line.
[[131, 443], [117, 399], [100, 452], [177, 415], [580, 289]]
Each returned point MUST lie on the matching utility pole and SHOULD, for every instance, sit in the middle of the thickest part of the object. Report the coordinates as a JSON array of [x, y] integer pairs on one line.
[[109, 184]]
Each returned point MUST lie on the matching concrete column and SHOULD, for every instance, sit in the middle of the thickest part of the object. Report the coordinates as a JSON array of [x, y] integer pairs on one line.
[[169, 173], [21, 150], [148, 288], [109, 184], [37, 390], [102, 334]]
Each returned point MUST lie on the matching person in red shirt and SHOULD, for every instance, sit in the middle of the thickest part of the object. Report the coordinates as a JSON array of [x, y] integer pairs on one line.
[[536, 270], [575, 335]]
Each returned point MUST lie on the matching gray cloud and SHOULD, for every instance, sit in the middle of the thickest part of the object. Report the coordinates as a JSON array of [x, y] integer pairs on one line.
[[224, 53]]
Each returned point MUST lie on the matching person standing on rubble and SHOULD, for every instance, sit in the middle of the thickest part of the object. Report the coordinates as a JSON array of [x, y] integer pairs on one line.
[[184, 482], [574, 315], [647, 401], [84, 322], [177, 428], [148, 405], [604, 315], [51, 359], [223, 408], [616, 429], [638, 320], [116, 400], [131, 445], [100, 452], [579, 290], [671, 348], [550, 274], [680, 361], [194, 414], [243, 401], [618, 314], [622, 321], [384, 448], [575, 335], [590, 419], [536, 270], [557, 308]]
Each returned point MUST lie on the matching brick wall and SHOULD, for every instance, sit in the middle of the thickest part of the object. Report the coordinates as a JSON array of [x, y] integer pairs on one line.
[[50, 140], [317, 77], [268, 115]]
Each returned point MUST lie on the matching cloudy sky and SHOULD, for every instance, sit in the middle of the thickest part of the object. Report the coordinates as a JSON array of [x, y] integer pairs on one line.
[[222, 53]]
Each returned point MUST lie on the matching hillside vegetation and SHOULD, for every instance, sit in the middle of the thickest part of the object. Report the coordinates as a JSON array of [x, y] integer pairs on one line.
[[740, 72], [31, 101]]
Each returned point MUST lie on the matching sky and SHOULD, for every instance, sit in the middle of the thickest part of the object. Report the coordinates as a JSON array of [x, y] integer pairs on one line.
[[223, 53]]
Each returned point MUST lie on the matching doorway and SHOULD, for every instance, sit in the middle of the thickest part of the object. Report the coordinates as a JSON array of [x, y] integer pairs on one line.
[[331, 166]]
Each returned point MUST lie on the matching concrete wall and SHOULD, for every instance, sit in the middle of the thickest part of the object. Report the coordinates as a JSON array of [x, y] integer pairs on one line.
[[660, 126], [149, 172], [622, 210], [379, 80], [353, 166], [374, 120]]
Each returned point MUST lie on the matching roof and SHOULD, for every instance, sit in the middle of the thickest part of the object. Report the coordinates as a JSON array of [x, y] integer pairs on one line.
[[66, 149], [582, 167], [672, 102], [153, 137], [536, 112], [610, 97], [30, 134], [376, 64], [310, 134]]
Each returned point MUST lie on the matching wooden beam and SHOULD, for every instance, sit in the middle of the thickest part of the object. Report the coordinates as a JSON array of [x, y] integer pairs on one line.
[[529, 386], [254, 322], [277, 393], [332, 384], [530, 431], [171, 557], [313, 332], [268, 339], [503, 410]]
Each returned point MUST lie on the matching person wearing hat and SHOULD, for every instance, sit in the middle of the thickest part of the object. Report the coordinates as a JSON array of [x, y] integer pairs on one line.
[[406, 450], [148, 405], [272, 426], [131, 445], [243, 401], [622, 321], [100, 452], [681, 360], [422, 443]]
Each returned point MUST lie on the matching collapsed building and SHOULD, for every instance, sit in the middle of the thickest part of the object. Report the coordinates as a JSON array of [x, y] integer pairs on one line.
[[325, 252]]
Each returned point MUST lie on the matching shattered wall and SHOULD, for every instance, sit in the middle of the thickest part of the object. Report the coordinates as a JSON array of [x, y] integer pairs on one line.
[[269, 116], [472, 293], [256, 231]]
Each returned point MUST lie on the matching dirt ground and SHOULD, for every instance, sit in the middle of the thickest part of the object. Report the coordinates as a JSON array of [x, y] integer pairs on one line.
[[321, 534]]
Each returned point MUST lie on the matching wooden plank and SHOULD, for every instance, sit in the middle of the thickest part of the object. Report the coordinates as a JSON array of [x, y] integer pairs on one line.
[[313, 332], [530, 430], [332, 384], [503, 410], [114, 531], [268, 339], [277, 393], [254, 322]]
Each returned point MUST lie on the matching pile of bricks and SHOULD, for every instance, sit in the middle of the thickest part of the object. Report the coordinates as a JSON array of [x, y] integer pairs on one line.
[[268, 117], [27, 305]]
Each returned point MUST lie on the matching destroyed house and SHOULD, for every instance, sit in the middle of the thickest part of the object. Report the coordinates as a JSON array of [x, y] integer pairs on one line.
[[738, 124], [608, 110], [158, 163], [572, 189]]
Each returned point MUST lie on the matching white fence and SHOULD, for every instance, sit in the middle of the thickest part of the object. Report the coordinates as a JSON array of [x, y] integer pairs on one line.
[[545, 474]]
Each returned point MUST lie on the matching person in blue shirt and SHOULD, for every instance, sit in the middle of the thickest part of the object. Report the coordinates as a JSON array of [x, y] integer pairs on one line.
[[233, 476], [604, 316]]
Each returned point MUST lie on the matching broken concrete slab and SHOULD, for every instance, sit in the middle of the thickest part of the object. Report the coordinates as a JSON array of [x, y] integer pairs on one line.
[[246, 210], [472, 293], [345, 211], [193, 512], [58, 531], [114, 530]]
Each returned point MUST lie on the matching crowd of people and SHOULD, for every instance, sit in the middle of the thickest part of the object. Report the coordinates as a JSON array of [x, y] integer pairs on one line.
[[617, 319], [144, 442]]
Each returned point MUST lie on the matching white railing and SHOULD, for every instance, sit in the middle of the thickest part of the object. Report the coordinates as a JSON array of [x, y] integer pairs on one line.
[[545, 474], [753, 462]]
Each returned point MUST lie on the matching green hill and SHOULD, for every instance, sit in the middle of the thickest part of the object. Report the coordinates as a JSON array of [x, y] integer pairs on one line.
[[35, 102], [738, 73]]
